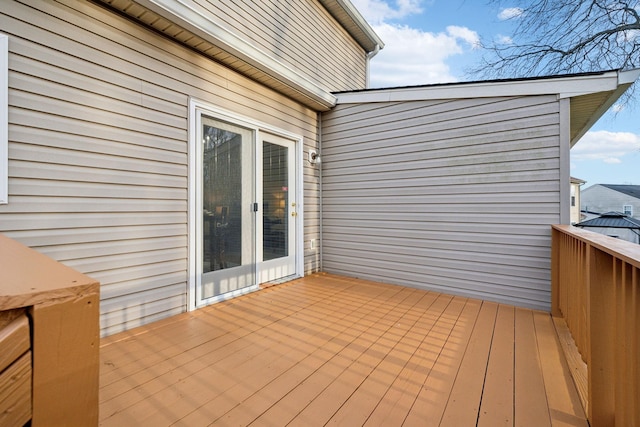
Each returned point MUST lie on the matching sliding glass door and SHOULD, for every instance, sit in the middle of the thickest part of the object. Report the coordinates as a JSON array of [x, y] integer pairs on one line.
[[227, 253], [246, 208]]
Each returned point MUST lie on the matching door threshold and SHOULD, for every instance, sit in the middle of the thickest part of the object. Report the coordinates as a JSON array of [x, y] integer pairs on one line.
[[279, 281]]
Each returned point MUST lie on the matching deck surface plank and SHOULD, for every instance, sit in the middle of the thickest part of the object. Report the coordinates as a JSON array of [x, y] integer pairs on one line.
[[331, 350]]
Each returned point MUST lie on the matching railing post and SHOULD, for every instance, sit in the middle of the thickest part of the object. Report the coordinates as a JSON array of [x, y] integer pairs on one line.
[[601, 363], [555, 273]]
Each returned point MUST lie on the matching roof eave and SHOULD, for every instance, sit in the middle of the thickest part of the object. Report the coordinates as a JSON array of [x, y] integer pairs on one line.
[[274, 72], [590, 94], [354, 23]]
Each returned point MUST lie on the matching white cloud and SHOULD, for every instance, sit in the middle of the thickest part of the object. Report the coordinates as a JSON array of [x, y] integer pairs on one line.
[[465, 34], [504, 39], [609, 147], [612, 160], [510, 13], [379, 11], [413, 57]]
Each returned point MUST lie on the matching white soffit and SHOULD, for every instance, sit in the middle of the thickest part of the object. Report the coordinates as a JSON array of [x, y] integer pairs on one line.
[[187, 17], [562, 86]]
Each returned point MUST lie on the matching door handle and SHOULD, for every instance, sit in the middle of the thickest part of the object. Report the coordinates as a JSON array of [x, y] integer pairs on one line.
[[294, 213]]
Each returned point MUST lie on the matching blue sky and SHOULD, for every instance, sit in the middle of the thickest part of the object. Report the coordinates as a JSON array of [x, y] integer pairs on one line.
[[436, 41]]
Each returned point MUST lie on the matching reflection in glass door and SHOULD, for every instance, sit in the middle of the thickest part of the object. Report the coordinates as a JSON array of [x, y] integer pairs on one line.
[[279, 213], [227, 252]]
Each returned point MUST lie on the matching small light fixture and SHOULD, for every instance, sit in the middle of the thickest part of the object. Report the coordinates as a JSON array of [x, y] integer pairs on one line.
[[314, 157]]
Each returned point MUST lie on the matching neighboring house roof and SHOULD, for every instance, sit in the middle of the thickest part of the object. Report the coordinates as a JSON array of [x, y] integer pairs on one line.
[[577, 181], [629, 190], [218, 41], [590, 94], [611, 220]]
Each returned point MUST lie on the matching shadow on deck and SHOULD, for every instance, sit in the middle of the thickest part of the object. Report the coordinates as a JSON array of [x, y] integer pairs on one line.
[[333, 350]]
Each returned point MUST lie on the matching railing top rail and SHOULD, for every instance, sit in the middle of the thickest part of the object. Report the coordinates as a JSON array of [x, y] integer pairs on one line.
[[626, 251]]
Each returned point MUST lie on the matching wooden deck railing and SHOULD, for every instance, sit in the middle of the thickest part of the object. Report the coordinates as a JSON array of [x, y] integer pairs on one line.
[[596, 289]]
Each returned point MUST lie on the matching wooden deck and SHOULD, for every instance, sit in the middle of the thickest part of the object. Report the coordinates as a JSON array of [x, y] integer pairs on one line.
[[330, 350]]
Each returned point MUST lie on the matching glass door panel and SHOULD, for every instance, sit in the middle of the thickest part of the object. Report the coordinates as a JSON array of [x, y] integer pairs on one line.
[[279, 213], [275, 197], [227, 250]]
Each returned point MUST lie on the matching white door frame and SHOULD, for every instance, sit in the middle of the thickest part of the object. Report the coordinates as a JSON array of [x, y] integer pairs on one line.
[[196, 108]]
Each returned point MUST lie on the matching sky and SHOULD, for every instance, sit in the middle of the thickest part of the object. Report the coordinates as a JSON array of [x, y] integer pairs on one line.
[[438, 41]]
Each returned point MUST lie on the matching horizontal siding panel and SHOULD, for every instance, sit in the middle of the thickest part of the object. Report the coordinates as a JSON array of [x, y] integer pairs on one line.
[[30, 101], [47, 171], [489, 218], [422, 147], [132, 287], [77, 131], [39, 220], [508, 294], [54, 155], [125, 260], [74, 70], [114, 248], [455, 196], [97, 105], [402, 198], [51, 188], [139, 272], [162, 150], [443, 224], [70, 236], [422, 123], [32, 71], [460, 182], [447, 273], [419, 151], [507, 168], [363, 189], [455, 139], [414, 114], [34, 204], [448, 239], [466, 259]]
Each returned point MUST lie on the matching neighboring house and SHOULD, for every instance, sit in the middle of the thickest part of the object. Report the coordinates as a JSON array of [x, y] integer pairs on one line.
[[614, 224], [575, 199], [164, 148], [612, 198]]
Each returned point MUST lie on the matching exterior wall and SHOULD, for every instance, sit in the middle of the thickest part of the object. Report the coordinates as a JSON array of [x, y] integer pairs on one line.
[[575, 201], [98, 136], [455, 196], [602, 199], [302, 34]]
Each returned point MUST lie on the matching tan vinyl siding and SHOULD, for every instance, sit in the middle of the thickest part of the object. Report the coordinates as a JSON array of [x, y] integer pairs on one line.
[[301, 34], [98, 139], [455, 195]]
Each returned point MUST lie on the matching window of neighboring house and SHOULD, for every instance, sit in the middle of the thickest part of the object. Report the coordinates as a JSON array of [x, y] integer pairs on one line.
[[573, 201], [4, 119], [627, 210]]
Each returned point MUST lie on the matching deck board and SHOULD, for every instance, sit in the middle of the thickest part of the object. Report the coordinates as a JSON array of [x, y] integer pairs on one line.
[[331, 350]]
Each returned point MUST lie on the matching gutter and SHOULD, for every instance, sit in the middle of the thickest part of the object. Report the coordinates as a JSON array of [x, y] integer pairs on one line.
[[370, 55]]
